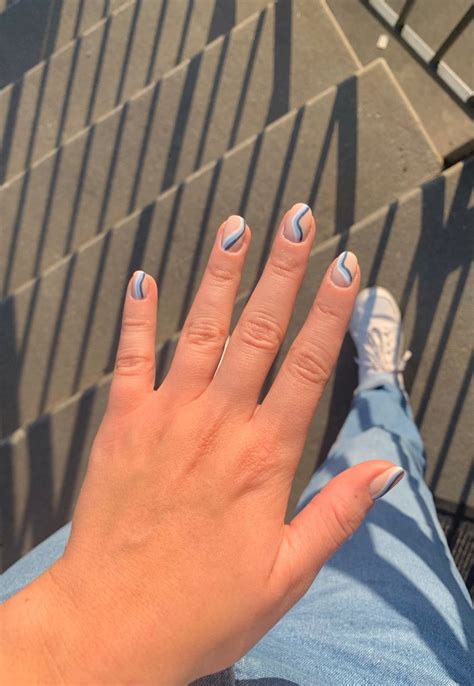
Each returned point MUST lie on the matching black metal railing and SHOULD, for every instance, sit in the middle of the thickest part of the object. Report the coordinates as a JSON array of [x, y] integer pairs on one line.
[[432, 58]]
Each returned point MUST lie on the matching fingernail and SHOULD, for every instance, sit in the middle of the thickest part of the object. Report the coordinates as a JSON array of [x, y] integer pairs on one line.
[[297, 223], [139, 285], [384, 482], [233, 234], [344, 270]]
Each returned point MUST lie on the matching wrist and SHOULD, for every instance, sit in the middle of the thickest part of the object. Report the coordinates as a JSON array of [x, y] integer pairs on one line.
[[61, 630], [28, 620], [47, 639]]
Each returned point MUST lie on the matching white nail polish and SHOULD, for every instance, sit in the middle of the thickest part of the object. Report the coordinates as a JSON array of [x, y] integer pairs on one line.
[[384, 482]]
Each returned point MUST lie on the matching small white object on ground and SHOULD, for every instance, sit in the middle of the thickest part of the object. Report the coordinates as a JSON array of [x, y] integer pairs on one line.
[[382, 41]]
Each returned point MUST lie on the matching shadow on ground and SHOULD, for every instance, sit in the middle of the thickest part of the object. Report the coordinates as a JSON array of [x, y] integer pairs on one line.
[[52, 485]]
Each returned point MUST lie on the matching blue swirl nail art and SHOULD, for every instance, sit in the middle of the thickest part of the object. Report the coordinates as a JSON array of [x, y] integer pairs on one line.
[[137, 290], [342, 269], [390, 483], [232, 238], [295, 222]]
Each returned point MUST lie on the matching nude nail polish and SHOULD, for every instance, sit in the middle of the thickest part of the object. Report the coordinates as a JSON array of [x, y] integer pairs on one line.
[[384, 482], [297, 223], [344, 270], [139, 286], [233, 234]]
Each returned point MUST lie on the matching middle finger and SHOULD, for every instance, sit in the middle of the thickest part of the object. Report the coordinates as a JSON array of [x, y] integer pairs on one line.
[[260, 331]]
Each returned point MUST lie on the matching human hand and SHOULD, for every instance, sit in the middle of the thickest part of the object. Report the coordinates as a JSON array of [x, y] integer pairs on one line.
[[179, 559]]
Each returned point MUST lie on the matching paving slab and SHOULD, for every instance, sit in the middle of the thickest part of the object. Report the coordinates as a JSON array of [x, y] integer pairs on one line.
[[61, 333], [121, 54], [419, 247], [209, 104], [32, 30], [449, 126]]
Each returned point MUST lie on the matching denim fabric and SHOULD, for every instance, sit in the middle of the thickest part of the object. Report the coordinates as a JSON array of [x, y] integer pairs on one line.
[[389, 608]]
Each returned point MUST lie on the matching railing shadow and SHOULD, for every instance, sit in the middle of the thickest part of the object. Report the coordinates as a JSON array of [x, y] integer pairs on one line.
[[37, 520], [37, 499], [70, 214], [27, 36], [31, 32], [62, 112]]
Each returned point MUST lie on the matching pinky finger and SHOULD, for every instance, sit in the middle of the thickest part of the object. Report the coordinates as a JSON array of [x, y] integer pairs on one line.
[[134, 373]]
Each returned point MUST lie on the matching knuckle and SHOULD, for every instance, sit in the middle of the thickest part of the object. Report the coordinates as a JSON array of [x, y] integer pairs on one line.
[[262, 331], [130, 362], [220, 274], [256, 465], [136, 324], [284, 266], [256, 459], [329, 312], [205, 332], [307, 365]]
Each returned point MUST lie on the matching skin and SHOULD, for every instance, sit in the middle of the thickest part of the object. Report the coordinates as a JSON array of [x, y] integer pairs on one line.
[[179, 559]]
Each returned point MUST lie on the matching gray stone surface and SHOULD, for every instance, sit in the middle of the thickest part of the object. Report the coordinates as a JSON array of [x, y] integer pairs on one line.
[[32, 30], [420, 248], [37, 500], [120, 55], [448, 125], [62, 326], [232, 90]]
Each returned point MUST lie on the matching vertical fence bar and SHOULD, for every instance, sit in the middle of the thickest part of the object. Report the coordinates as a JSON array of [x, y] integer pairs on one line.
[[403, 16], [453, 36]]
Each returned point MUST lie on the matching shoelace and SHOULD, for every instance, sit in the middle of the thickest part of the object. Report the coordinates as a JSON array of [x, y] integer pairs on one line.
[[379, 352]]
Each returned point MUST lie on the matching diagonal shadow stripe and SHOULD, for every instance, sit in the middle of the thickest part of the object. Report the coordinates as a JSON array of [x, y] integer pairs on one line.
[[181, 122]]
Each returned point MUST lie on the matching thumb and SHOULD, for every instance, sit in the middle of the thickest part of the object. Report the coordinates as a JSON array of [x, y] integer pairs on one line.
[[332, 516]]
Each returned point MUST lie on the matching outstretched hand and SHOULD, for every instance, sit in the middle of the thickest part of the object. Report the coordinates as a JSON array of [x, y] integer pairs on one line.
[[179, 559]]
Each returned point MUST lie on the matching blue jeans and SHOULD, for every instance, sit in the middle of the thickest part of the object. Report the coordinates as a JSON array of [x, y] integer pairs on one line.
[[390, 607]]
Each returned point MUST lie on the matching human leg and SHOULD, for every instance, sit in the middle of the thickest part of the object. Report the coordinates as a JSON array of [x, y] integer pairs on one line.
[[390, 606]]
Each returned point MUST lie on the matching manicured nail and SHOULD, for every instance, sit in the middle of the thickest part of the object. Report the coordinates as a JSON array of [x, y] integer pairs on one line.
[[139, 285], [233, 234], [384, 482], [344, 270], [297, 223]]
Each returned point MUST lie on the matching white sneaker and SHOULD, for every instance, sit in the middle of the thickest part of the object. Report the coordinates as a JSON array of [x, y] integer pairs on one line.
[[376, 328]]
